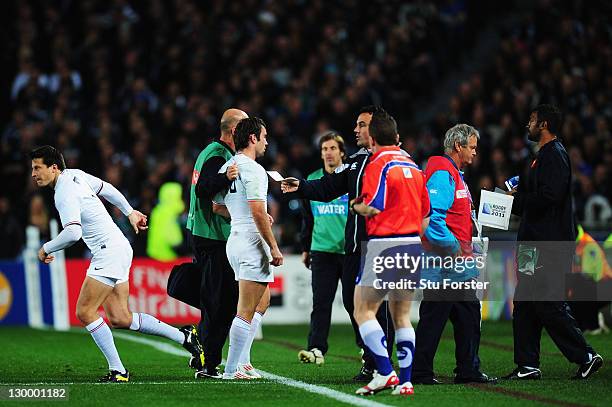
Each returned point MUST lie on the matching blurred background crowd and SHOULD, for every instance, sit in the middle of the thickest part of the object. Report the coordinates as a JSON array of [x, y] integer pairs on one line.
[[132, 91]]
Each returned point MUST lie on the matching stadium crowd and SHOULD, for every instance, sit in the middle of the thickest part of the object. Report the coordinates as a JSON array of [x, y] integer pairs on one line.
[[560, 55], [132, 91]]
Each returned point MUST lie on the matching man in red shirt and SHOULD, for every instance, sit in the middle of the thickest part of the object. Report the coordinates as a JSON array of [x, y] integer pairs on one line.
[[396, 205]]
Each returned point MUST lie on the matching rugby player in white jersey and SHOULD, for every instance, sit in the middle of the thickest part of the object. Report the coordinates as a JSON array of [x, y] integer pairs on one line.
[[83, 215], [251, 246]]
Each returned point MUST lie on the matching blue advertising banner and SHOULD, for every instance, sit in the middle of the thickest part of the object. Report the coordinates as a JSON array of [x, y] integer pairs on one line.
[[46, 293], [13, 298]]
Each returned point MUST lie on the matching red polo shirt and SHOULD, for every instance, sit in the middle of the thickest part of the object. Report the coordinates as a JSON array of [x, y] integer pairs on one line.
[[394, 184]]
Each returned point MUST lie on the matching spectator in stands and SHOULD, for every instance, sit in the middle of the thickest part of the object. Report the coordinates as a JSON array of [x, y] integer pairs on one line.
[[133, 79], [39, 216], [165, 233], [11, 231]]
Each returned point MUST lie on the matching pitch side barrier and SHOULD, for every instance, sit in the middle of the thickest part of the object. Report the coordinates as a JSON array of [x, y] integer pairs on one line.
[[497, 271], [35, 294]]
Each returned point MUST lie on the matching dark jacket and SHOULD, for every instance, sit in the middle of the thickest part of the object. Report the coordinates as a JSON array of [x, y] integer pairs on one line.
[[211, 182], [346, 179], [544, 198], [305, 234]]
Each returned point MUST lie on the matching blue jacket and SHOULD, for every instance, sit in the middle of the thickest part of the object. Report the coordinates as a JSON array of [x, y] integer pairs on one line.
[[441, 188]]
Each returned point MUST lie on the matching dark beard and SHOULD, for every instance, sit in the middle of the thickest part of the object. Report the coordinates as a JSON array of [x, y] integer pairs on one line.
[[534, 137]]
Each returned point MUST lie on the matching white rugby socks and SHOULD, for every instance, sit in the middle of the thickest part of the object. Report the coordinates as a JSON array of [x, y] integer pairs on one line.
[[103, 337], [239, 335], [148, 324], [245, 357]]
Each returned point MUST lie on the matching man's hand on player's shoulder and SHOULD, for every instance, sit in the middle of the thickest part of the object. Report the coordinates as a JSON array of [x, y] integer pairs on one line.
[[232, 172]]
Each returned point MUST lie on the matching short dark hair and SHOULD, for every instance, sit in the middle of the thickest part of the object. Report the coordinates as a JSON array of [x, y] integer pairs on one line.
[[50, 155], [551, 115], [332, 135], [383, 128], [371, 109], [246, 127]]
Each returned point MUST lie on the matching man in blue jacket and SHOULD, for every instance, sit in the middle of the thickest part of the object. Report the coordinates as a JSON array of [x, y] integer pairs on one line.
[[450, 235]]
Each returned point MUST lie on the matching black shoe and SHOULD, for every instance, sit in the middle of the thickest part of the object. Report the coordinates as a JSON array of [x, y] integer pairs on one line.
[[425, 380], [587, 369], [208, 372], [192, 344], [114, 376], [194, 363], [479, 378], [365, 375], [524, 373]]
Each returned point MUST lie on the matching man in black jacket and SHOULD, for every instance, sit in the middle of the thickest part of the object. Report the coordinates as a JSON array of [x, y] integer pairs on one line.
[[218, 288], [347, 179], [544, 201]]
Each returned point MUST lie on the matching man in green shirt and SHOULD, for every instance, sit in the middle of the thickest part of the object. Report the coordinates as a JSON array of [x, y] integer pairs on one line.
[[209, 233], [322, 239]]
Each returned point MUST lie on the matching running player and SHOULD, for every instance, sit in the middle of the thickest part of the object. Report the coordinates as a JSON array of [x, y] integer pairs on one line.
[[83, 215]]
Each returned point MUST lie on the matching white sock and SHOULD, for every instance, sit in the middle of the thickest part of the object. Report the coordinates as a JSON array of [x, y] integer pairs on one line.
[[245, 357], [103, 337], [239, 335], [148, 324], [374, 338]]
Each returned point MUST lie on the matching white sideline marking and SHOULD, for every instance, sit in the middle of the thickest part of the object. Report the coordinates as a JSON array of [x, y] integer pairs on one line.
[[312, 388], [174, 350], [160, 346], [186, 382], [324, 391]]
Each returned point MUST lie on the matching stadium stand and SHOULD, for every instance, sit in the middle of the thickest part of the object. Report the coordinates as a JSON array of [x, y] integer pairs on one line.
[[132, 91]]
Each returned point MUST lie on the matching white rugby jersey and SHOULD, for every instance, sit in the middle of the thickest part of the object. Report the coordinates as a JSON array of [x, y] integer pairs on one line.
[[251, 185], [76, 200]]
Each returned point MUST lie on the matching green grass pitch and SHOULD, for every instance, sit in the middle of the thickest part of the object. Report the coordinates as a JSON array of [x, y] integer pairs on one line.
[[29, 357]]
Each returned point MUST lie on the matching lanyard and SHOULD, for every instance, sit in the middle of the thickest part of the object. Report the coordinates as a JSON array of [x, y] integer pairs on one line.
[[472, 209]]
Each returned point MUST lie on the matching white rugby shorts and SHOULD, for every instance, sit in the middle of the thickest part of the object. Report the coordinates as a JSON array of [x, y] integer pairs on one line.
[[112, 262], [249, 255]]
